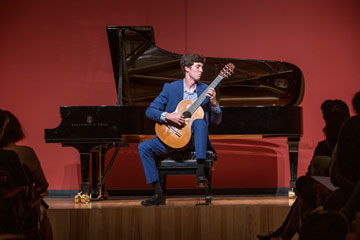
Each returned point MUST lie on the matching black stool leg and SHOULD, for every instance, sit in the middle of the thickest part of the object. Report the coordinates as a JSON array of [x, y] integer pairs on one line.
[[162, 177], [208, 197]]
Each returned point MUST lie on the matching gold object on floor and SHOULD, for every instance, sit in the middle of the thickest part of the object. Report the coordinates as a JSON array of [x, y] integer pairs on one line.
[[85, 198], [82, 198]]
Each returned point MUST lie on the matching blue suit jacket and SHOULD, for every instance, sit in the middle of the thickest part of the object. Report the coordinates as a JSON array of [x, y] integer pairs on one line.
[[172, 94]]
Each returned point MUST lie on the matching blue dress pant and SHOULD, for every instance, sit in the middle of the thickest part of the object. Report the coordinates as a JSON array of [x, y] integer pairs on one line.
[[154, 147]]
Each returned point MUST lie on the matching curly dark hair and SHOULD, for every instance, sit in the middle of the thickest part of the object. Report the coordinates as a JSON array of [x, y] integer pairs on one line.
[[187, 60], [10, 128], [356, 103]]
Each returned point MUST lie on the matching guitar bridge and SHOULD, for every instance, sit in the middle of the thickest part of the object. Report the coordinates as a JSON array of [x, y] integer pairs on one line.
[[174, 130]]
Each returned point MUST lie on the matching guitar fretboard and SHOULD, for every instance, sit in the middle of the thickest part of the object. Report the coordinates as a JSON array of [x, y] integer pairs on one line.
[[202, 97]]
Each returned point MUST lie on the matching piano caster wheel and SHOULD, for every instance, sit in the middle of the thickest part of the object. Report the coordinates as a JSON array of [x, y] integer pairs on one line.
[[94, 196]]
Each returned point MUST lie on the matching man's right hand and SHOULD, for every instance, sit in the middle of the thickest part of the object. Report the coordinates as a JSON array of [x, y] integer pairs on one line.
[[175, 118]]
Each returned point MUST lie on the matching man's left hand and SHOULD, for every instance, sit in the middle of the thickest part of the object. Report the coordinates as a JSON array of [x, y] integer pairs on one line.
[[211, 93]]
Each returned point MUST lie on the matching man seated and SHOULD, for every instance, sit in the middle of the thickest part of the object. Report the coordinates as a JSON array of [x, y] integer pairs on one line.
[[162, 110]]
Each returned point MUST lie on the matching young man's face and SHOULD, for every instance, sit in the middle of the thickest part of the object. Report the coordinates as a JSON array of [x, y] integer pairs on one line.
[[195, 70]]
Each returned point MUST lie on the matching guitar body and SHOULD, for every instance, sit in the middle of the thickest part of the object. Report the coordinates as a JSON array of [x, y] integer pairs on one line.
[[178, 137]]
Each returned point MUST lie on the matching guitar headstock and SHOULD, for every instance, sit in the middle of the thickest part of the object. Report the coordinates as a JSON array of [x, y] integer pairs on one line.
[[227, 70]]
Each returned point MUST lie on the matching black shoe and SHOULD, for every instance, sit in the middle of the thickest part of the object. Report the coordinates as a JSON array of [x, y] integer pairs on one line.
[[156, 199]]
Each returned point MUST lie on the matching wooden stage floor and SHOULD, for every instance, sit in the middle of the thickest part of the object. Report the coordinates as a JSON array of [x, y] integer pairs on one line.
[[227, 217]]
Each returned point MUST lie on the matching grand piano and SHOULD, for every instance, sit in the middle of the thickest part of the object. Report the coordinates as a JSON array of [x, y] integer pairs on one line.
[[260, 98]]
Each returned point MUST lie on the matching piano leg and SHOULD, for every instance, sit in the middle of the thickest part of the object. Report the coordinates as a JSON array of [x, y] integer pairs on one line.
[[85, 168], [96, 163], [84, 150], [293, 143], [97, 151]]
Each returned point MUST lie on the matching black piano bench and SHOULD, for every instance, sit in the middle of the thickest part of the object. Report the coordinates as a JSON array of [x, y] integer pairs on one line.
[[184, 163]]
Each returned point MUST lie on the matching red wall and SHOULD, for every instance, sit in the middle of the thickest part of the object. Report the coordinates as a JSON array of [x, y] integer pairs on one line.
[[55, 53]]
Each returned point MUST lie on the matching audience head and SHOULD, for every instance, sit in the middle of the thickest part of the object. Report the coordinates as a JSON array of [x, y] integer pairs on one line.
[[356, 103], [10, 129], [334, 113], [334, 109]]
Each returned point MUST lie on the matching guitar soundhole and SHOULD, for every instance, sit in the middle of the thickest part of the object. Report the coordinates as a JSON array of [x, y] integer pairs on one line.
[[187, 114]]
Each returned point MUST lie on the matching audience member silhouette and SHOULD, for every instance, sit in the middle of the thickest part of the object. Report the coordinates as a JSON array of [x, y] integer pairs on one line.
[[13, 186], [334, 222], [11, 133], [334, 113], [352, 205], [310, 195], [345, 165]]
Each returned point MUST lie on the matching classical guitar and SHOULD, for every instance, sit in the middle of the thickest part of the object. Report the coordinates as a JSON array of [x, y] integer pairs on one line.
[[176, 137]]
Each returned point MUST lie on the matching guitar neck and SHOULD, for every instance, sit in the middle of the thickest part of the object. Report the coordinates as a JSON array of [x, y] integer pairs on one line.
[[202, 97]]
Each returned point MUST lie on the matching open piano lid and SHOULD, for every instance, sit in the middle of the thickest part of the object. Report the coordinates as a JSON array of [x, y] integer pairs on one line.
[[141, 69]]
